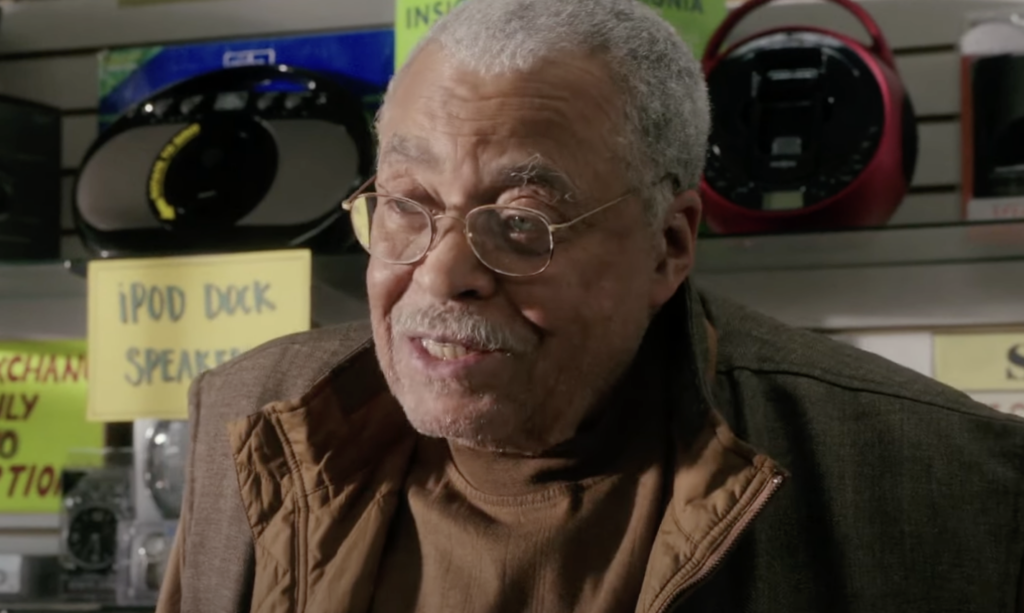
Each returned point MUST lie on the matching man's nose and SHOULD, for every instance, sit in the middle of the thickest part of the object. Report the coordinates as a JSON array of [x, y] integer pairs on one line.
[[451, 270]]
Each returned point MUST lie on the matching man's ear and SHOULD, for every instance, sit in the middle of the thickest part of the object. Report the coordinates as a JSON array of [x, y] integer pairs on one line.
[[676, 246]]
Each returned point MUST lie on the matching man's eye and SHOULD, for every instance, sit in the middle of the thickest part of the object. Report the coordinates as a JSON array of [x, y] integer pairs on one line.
[[522, 224], [542, 205], [403, 206]]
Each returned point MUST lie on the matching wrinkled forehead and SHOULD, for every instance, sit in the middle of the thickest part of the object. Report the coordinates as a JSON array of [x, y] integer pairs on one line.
[[563, 119]]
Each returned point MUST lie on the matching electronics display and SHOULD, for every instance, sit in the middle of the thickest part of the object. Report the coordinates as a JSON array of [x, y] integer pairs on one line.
[[364, 59], [30, 157], [145, 539], [146, 551], [245, 158], [167, 445], [992, 59], [97, 498], [811, 130], [998, 125], [120, 516], [92, 537]]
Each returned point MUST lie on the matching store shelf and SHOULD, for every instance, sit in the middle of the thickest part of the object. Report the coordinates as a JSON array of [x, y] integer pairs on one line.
[[29, 521], [891, 246], [875, 298], [906, 277], [914, 277]]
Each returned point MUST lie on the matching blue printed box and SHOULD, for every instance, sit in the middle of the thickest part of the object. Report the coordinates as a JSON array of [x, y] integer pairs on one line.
[[363, 61]]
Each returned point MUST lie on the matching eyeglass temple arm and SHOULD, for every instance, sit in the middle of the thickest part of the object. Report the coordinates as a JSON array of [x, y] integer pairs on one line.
[[347, 202], [560, 226]]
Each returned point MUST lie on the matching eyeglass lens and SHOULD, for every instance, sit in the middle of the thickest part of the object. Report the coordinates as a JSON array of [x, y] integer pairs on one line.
[[509, 240]]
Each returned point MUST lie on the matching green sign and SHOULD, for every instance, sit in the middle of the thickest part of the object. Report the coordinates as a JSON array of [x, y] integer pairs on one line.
[[42, 421], [695, 20], [413, 19], [116, 65]]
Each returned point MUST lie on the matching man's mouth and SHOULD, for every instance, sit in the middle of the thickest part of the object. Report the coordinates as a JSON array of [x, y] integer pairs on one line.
[[447, 350]]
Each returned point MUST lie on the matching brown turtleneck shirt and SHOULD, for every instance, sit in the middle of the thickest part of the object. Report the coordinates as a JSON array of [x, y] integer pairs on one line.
[[572, 531]]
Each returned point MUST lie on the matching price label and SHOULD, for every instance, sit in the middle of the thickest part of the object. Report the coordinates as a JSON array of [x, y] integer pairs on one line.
[[980, 362]]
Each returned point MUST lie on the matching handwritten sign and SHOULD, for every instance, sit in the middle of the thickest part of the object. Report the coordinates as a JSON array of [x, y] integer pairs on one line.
[[695, 20], [155, 324], [980, 362], [42, 420]]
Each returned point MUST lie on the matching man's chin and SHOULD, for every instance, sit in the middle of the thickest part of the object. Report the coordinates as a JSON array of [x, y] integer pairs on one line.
[[471, 420]]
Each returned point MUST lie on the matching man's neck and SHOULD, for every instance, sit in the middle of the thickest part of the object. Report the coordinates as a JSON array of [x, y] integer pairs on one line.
[[611, 441]]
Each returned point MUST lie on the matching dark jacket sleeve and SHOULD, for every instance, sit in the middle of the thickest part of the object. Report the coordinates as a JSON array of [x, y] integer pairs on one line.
[[1020, 593]]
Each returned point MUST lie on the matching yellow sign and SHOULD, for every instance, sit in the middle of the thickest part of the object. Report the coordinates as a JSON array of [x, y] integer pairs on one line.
[[980, 362], [695, 20], [155, 324], [42, 419]]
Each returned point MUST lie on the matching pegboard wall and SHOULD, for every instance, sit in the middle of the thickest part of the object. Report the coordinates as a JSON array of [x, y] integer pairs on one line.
[[48, 54]]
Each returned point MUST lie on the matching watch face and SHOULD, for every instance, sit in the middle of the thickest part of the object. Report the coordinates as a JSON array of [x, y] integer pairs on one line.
[[165, 465], [92, 538], [154, 551]]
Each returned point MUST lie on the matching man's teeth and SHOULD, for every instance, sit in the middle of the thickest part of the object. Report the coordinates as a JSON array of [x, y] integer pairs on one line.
[[445, 351]]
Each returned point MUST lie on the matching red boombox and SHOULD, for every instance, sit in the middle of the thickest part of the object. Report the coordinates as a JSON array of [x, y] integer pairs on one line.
[[811, 130]]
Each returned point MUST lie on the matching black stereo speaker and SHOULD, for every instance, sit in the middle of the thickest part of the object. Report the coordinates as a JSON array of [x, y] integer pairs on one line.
[[997, 97], [258, 157], [30, 144]]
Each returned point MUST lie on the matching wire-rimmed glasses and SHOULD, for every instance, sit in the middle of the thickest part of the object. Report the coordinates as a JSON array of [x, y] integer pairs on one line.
[[510, 240]]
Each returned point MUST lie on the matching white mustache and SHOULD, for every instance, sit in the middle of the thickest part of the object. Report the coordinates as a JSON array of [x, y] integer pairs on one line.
[[461, 326]]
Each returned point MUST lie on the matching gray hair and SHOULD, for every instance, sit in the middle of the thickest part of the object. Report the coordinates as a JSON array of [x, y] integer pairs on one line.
[[664, 93]]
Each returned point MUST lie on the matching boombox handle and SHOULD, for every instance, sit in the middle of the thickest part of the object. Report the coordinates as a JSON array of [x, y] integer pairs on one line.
[[878, 44]]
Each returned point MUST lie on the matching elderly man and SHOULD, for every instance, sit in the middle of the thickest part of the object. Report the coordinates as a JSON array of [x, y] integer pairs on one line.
[[543, 414]]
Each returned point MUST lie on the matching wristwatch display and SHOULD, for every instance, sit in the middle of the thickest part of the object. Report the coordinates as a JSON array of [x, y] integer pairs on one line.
[[166, 452], [98, 499], [147, 550], [92, 538]]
